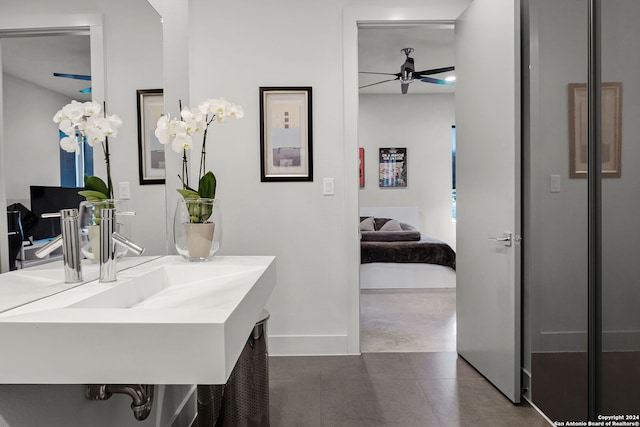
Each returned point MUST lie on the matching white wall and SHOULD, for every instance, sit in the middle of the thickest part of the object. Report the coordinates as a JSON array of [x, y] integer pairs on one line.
[[33, 149], [285, 43], [422, 124], [557, 236]]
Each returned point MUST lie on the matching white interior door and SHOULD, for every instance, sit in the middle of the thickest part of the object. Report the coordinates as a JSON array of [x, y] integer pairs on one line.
[[488, 190]]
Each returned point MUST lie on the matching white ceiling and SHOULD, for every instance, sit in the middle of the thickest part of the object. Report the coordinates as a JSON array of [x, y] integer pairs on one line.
[[36, 58], [379, 50]]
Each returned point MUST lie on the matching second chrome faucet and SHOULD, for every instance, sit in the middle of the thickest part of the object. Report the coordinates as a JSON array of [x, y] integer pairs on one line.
[[109, 238]]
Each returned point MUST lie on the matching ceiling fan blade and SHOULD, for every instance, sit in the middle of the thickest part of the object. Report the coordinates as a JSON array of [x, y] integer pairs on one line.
[[436, 81], [433, 71], [72, 76], [383, 81], [385, 74]]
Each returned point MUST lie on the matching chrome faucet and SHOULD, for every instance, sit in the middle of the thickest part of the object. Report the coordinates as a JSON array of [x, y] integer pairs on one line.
[[109, 237], [69, 239]]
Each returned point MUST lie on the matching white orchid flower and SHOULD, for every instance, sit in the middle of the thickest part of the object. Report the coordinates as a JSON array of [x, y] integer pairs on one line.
[[181, 142], [59, 116], [195, 121], [94, 135], [236, 111], [114, 121], [163, 122], [162, 129], [91, 108], [73, 111], [215, 106], [67, 127], [178, 127], [69, 144], [207, 106], [163, 135], [98, 124]]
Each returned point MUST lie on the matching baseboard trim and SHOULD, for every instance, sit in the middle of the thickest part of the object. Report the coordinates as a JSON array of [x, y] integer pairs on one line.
[[308, 345]]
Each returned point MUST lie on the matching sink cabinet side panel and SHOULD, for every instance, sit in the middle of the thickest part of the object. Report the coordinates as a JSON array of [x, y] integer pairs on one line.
[[65, 405]]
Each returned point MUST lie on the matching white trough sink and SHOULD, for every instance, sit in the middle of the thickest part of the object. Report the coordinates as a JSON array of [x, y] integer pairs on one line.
[[21, 287], [163, 322]]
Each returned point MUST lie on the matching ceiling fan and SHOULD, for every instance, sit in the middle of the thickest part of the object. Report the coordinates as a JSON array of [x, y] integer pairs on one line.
[[408, 74], [76, 77]]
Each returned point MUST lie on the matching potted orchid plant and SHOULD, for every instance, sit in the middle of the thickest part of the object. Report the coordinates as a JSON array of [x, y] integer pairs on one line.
[[86, 120], [198, 203], [81, 121]]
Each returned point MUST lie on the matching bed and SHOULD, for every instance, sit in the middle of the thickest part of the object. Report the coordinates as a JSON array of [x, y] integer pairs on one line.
[[404, 257]]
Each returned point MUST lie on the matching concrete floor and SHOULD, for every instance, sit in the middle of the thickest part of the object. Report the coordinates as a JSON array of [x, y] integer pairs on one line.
[[388, 389], [408, 320], [408, 375]]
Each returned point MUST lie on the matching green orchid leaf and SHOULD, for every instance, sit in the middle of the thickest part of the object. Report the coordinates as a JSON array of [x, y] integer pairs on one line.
[[207, 186], [95, 184], [188, 194], [92, 195]]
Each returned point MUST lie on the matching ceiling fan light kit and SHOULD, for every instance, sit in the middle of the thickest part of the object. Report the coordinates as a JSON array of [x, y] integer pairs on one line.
[[408, 74]]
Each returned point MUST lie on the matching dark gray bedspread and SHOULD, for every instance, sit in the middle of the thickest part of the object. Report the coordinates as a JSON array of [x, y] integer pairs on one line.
[[427, 250]]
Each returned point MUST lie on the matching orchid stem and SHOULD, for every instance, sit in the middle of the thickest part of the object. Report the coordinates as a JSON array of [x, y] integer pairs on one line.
[[185, 169], [203, 154], [105, 149]]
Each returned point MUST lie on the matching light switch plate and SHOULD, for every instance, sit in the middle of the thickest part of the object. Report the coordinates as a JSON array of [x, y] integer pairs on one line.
[[328, 187], [125, 190], [554, 183]]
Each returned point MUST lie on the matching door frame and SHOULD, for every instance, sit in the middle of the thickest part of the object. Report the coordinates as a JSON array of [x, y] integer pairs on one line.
[[442, 11]]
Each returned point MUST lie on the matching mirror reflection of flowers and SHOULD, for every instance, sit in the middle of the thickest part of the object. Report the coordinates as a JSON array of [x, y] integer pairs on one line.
[[179, 133], [87, 120]]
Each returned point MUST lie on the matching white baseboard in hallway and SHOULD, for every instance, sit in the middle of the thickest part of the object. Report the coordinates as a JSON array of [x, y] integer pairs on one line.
[[408, 320]]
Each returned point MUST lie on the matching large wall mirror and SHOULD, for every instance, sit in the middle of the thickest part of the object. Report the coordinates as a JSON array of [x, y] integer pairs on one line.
[[71, 38]]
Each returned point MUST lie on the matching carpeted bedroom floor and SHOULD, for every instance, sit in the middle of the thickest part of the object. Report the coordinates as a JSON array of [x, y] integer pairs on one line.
[[408, 320]]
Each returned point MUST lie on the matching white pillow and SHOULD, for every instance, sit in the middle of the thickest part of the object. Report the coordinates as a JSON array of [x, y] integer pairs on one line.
[[391, 225], [367, 224]]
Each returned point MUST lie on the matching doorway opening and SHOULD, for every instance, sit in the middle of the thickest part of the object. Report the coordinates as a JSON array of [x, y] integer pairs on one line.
[[407, 303]]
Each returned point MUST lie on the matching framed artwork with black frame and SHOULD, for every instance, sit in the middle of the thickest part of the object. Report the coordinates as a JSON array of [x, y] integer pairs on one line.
[[286, 149], [392, 167], [150, 150]]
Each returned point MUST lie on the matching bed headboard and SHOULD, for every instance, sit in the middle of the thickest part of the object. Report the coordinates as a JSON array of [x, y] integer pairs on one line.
[[407, 214]]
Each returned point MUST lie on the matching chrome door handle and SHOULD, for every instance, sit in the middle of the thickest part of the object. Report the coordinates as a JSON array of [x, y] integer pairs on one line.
[[506, 238]]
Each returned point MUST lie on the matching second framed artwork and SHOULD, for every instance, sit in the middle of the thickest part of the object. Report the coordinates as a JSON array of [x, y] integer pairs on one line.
[[286, 149], [150, 150], [392, 172]]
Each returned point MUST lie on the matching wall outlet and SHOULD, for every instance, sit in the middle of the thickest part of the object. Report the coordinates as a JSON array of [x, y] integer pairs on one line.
[[125, 190]]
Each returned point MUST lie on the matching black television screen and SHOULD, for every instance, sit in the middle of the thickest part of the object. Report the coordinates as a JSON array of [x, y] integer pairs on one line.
[[51, 199]]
